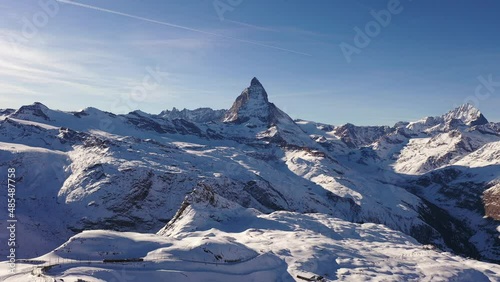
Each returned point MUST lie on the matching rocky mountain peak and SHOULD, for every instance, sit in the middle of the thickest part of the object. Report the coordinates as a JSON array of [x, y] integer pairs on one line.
[[252, 103], [37, 110], [255, 82], [466, 113]]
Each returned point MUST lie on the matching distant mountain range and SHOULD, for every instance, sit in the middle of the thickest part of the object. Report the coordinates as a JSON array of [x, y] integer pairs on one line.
[[247, 180]]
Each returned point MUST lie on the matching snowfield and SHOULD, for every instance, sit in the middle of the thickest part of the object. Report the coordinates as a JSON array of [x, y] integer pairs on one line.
[[216, 240]]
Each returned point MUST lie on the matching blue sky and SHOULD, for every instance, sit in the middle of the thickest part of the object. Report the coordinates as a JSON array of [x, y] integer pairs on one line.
[[425, 61]]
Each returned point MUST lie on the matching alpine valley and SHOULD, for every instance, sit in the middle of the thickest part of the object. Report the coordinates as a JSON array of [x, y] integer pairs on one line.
[[249, 194]]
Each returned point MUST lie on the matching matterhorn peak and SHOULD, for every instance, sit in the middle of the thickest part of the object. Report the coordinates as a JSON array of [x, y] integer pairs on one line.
[[256, 90], [467, 113], [252, 103], [255, 82]]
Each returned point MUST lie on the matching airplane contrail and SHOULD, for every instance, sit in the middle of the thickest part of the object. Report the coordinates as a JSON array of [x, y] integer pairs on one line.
[[179, 26], [250, 25]]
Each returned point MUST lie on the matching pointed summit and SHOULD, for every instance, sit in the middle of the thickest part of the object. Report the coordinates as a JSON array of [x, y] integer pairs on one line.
[[255, 82], [257, 91], [251, 104], [466, 113]]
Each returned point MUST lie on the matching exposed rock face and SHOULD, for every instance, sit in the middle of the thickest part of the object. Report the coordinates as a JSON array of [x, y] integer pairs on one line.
[[491, 199]]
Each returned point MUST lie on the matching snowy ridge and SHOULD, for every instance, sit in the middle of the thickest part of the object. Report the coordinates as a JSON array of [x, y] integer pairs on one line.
[[200, 115]]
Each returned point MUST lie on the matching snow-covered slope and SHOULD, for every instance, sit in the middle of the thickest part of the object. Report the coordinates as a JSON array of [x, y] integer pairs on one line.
[[128, 183], [214, 239], [421, 155]]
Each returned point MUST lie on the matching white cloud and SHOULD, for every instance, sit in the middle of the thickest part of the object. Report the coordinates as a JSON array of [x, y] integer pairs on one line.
[[38, 66], [7, 88]]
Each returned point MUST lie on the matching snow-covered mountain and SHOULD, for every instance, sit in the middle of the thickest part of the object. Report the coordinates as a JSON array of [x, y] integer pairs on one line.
[[466, 114], [252, 106], [253, 170], [450, 162]]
